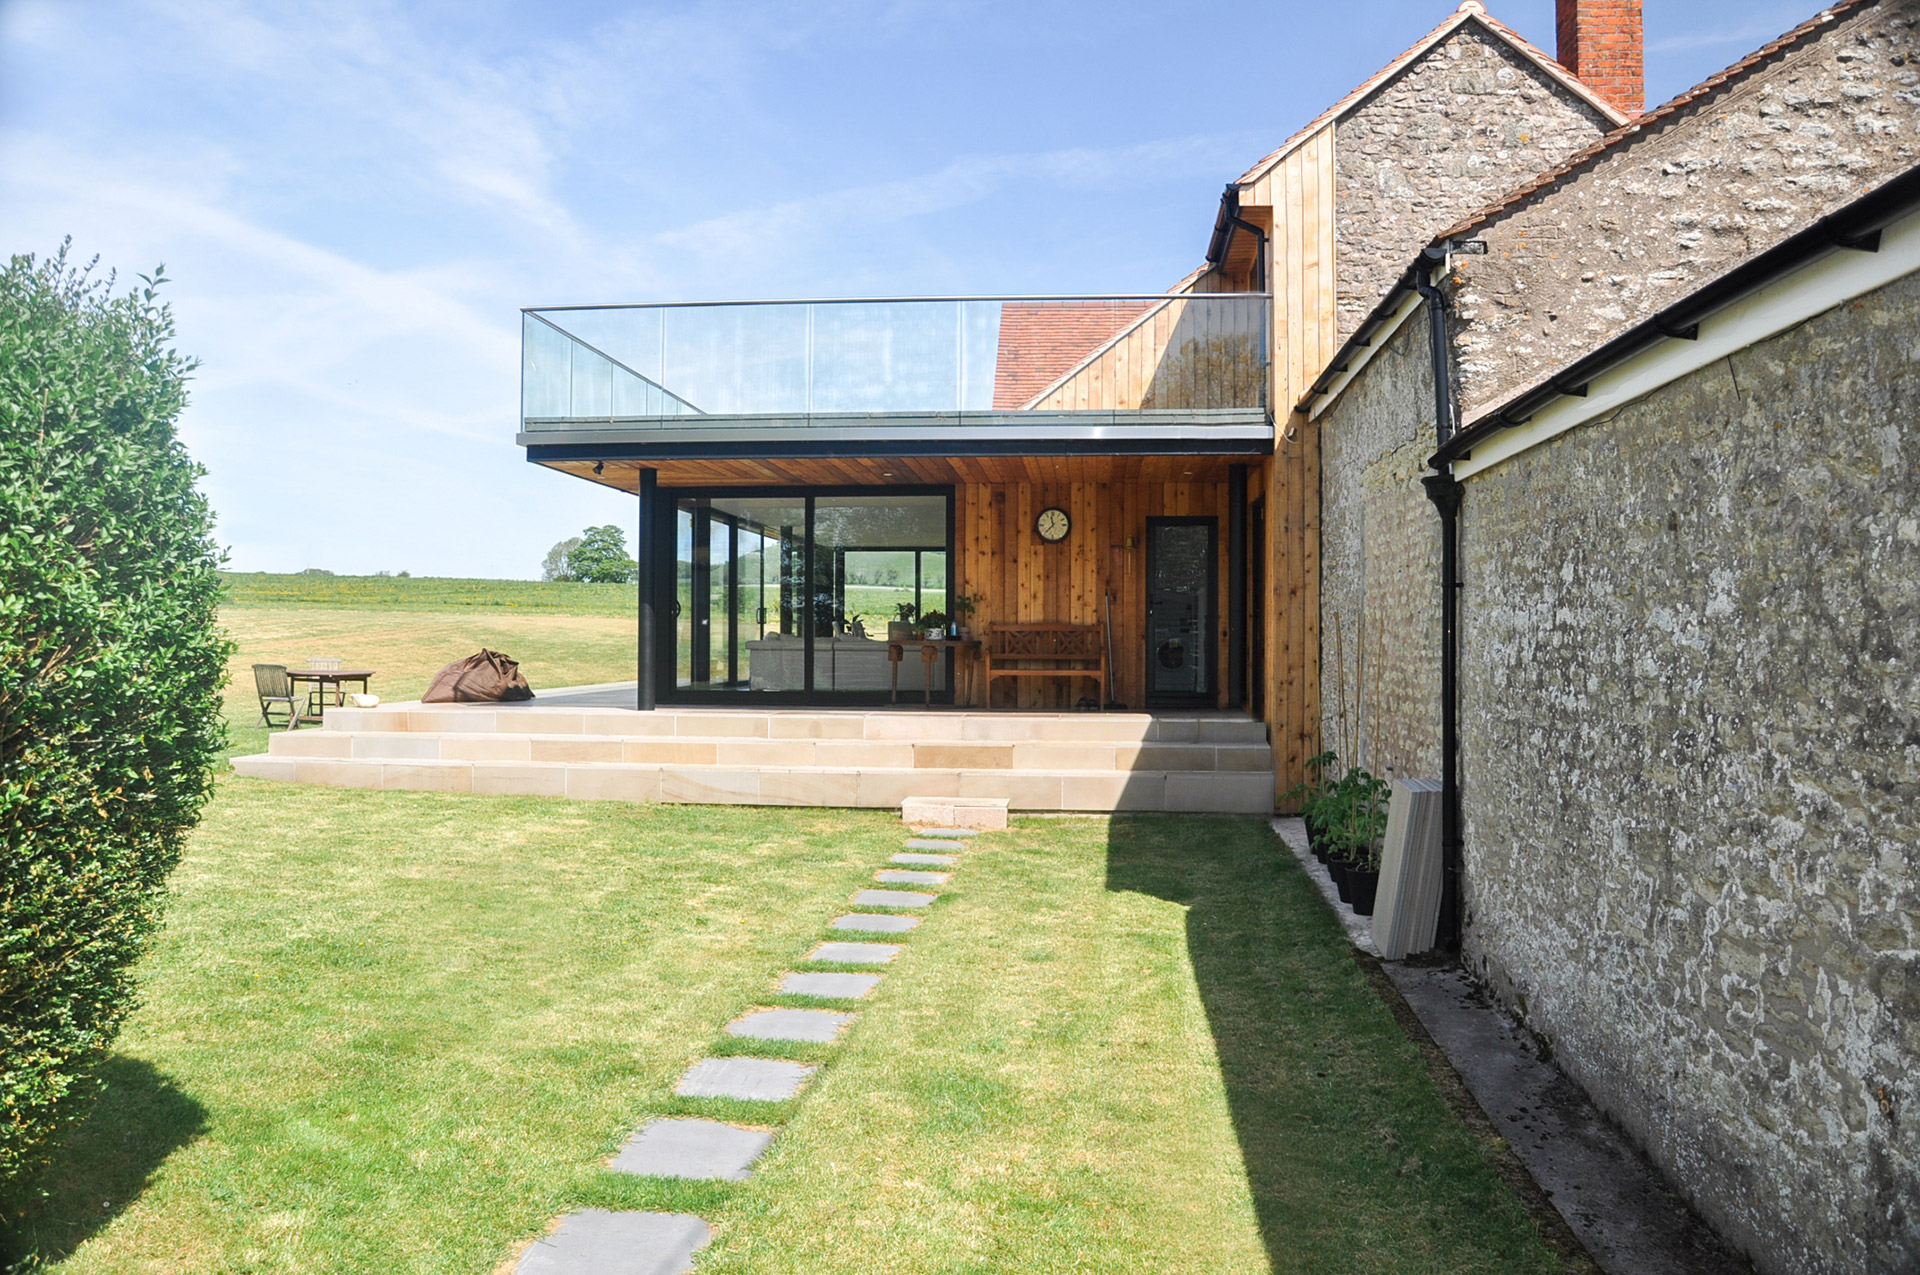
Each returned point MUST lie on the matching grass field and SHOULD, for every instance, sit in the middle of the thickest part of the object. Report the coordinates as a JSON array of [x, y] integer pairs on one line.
[[407, 630], [407, 1035]]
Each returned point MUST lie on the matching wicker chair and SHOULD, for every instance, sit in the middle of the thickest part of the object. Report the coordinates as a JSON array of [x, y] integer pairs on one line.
[[276, 695]]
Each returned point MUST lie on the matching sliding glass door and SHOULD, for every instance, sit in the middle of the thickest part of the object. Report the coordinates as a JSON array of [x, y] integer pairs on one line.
[[787, 596]]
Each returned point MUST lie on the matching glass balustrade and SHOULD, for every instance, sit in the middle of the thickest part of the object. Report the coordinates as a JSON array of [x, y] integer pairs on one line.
[[656, 364]]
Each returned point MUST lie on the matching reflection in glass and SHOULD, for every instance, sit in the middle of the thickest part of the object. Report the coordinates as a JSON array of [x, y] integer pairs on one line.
[[741, 563], [756, 592], [792, 358]]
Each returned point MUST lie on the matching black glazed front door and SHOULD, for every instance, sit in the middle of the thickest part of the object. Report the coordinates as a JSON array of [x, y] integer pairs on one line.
[[1180, 577]]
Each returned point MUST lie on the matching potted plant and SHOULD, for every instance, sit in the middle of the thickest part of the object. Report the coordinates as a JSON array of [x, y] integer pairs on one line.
[[1356, 824], [935, 624], [1314, 795], [963, 607], [900, 629]]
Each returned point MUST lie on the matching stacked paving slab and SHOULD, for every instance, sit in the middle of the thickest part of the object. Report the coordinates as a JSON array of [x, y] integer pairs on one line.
[[1032, 761]]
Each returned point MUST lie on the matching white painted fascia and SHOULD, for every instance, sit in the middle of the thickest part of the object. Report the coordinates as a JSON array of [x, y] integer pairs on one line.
[[1376, 343], [1792, 299]]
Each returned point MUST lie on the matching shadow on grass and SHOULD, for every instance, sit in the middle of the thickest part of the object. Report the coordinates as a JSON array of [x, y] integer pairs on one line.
[[105, 1164], [1352, 1158]]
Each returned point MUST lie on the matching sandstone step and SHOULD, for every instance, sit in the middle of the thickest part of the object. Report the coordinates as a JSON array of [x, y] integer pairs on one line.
[[1044, 755], [1248, 791], [849, 724]]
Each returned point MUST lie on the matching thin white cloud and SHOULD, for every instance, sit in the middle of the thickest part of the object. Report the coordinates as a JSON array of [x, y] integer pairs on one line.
[[779, 229]]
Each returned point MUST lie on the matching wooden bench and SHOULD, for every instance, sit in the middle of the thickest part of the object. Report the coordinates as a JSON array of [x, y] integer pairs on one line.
[[1058, 651]]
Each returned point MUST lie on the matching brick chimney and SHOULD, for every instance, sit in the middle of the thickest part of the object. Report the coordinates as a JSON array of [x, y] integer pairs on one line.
[[1600, 43]]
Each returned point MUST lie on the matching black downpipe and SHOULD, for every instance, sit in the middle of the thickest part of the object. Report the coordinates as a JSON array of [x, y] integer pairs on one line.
[[1443, 489], [1236, 586], [645, 550]]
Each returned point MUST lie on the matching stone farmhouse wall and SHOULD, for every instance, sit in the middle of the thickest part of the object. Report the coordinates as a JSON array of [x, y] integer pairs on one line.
[[1699, 191], [1690, 723], [1467, 122], [1380, 566]]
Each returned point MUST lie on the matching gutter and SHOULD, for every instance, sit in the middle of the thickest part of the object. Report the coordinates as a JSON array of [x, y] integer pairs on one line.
[[1855, 227]]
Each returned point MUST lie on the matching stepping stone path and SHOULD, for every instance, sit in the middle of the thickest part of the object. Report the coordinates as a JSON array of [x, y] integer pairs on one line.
[[877, 923], [893, 899], [948, 832], [598, 1242], [753, 1079], [859, 953], [901, 876], [843, 985], [703, 1149], [816, 1025]]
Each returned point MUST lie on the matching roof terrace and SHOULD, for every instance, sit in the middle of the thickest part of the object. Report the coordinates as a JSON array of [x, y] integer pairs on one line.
[[1132, 373]]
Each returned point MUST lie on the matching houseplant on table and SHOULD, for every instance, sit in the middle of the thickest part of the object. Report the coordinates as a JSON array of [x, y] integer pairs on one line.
[[963, 606], [935, 625]]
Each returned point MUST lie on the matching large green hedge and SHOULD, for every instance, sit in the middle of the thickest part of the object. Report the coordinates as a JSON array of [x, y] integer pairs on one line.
[[110, 668]]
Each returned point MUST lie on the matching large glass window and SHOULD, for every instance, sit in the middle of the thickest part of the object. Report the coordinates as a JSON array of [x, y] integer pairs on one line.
[[792, 595]]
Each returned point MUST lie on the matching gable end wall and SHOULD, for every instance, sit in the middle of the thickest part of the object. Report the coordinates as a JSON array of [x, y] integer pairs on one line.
[[1465, 123]]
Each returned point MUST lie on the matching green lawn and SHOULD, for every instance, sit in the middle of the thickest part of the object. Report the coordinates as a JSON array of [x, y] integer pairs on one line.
[[400, 1032]]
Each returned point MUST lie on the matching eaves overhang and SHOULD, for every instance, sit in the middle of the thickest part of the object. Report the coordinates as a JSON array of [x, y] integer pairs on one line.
[[1854, 228], [1223, 431]]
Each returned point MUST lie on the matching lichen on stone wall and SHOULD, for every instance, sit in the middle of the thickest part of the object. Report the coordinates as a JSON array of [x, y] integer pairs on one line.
[[1680, 204], [1379, 566], [1466, 123], [1690, 721]]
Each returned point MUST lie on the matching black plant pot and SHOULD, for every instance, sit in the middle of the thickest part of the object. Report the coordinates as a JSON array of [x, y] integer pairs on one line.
[[1338, 869], [1363, 884]]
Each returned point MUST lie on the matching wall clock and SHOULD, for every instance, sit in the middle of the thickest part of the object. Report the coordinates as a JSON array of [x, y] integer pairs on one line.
[[1052, 525]]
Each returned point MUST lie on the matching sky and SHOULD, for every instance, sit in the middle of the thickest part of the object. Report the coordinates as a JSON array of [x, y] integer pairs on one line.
[[354, 199]]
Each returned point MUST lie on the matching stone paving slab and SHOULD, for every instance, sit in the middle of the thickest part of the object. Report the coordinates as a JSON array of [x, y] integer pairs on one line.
[[899, 876], [848, 985], [817, 1025], [876, 924], [597, 1242], [926, 860], [893, 899], [949, 832], [754, 1079], [703, 1149], [933, 843], [859, 953]]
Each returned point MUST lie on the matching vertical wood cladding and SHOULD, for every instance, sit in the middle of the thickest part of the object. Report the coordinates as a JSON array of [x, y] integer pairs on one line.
[[1020, 579]]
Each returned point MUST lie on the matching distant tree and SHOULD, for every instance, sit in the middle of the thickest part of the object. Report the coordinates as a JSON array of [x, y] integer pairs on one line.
[[111, 665], [600, 557], [559, 561]]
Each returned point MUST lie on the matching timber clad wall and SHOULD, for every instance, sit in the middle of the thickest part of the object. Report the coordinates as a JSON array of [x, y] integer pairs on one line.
[[1183, 355], [1295, 200], [1040, 342], [1019, 578]]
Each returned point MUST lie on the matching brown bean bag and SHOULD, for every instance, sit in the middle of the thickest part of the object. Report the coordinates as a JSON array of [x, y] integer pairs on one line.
[[486, 678]]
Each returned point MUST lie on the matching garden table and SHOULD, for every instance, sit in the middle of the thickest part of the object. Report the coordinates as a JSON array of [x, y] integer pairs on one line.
[[323, 679], [930, 649]]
